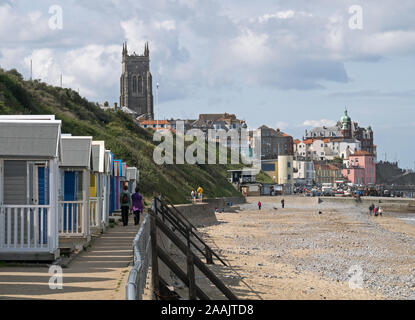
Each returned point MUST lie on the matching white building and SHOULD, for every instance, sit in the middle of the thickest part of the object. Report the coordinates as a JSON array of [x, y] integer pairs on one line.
[[303, 172]]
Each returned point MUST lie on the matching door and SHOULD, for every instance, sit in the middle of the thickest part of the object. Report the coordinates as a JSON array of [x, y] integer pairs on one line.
[[70, 193], [41, 197]]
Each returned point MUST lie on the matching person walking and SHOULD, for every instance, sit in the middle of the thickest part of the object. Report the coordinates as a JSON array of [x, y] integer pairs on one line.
[[125, 203], [283, 203], [259, 205], [193, 194], [376, 211], [371, 208], [137, 205]]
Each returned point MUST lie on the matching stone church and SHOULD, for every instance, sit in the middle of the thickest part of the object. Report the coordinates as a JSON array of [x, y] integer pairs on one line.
[[136, 88]]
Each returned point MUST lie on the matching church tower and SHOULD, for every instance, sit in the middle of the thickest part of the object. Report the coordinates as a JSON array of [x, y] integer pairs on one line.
[[136, 84]]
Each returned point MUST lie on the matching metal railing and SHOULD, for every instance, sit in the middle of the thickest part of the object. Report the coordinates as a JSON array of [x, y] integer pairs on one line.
[[142, 257], [25, 228], [71, 218]]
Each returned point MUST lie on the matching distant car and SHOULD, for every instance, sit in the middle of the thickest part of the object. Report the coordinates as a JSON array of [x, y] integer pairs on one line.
[[386, 193], [339, 193], [347, 193]]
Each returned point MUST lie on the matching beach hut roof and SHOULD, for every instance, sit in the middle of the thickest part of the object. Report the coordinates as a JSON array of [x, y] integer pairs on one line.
[[98, 156], [30, 138], [76, 152]]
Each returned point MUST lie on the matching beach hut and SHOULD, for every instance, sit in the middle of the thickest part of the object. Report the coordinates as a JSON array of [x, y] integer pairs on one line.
[[30, 151], [74, 219], [132, 175], [97, 186], [108, 167], [117, 183]]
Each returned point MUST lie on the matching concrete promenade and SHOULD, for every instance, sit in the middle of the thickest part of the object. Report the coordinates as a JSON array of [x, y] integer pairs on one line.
[[100, 273]]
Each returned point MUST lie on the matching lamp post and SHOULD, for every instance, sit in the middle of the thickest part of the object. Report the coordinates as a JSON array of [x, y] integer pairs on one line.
[[157, 103]]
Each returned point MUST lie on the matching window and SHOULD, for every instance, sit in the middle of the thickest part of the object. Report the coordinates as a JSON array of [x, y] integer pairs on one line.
[[289, 164], [140, 85], [134, 84], [289, 177]]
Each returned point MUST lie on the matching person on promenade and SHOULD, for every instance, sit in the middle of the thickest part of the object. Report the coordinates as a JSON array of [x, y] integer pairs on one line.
[[259, 205], [283, 203], [200, 194], [137, 205], [125, 203], [375, 211], [193, 194]]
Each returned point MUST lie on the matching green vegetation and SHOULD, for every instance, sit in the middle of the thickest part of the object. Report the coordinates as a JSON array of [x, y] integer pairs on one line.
[[262, 177], [121, 134]]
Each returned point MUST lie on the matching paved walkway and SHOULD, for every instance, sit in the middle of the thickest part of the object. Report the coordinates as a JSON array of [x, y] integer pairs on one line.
[[100, 273]]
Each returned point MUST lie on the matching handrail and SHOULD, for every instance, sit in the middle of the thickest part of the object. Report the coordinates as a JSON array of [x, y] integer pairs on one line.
[[208, 252], [194, 260], [138, 274]]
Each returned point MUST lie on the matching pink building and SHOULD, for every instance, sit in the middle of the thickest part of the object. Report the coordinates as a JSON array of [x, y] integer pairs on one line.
[[360, 168]]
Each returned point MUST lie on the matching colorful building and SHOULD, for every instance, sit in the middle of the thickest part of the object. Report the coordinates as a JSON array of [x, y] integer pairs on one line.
[[360, 168]]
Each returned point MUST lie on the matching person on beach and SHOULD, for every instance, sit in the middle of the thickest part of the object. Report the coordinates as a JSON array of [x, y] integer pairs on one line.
[[125, 203], [375, 211], [137, 205], [200, 194], [283, 203], [371, 208], [380, 211], [259, 205]]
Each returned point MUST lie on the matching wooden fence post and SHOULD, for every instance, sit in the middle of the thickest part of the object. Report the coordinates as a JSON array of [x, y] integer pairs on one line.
[[190, 269]]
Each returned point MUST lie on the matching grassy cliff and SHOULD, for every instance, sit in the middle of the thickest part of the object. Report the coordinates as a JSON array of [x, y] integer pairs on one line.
[[122, 136]]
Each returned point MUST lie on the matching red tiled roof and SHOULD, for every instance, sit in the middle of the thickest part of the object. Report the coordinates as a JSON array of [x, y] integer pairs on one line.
[[361, 153], [154, 122]]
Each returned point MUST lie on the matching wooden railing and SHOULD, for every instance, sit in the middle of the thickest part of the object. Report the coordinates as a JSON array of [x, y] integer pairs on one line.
[[171, 222], [25, 228], [71, 218]]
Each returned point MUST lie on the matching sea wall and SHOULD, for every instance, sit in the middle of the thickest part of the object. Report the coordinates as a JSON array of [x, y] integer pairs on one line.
[[389, 204], [204, 213]]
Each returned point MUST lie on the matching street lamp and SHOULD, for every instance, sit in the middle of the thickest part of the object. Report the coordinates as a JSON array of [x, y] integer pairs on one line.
[[157, 103]]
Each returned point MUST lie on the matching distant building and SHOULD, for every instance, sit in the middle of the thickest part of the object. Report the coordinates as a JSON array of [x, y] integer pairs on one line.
[[155, 124], [327, 173], [360, 168], [136, 83], [345, 131], [274, 143], [303, 172]]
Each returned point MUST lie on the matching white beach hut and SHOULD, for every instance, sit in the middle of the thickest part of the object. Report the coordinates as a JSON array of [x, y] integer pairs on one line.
[[74, 204], [30, 151], [98, 185]]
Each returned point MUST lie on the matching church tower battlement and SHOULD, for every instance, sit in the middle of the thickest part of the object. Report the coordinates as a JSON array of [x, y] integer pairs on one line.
[[136, 83]]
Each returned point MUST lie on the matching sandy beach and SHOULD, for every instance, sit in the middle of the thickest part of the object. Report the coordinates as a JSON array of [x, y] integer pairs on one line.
[[298, 253]]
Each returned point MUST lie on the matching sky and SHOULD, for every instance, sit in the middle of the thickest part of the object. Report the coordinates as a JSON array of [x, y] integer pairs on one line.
[[286, 64]]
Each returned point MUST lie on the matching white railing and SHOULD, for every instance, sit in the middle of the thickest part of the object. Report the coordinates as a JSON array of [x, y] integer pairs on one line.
[[94, 212], [25, 228], [71, 218], [142, 256]]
